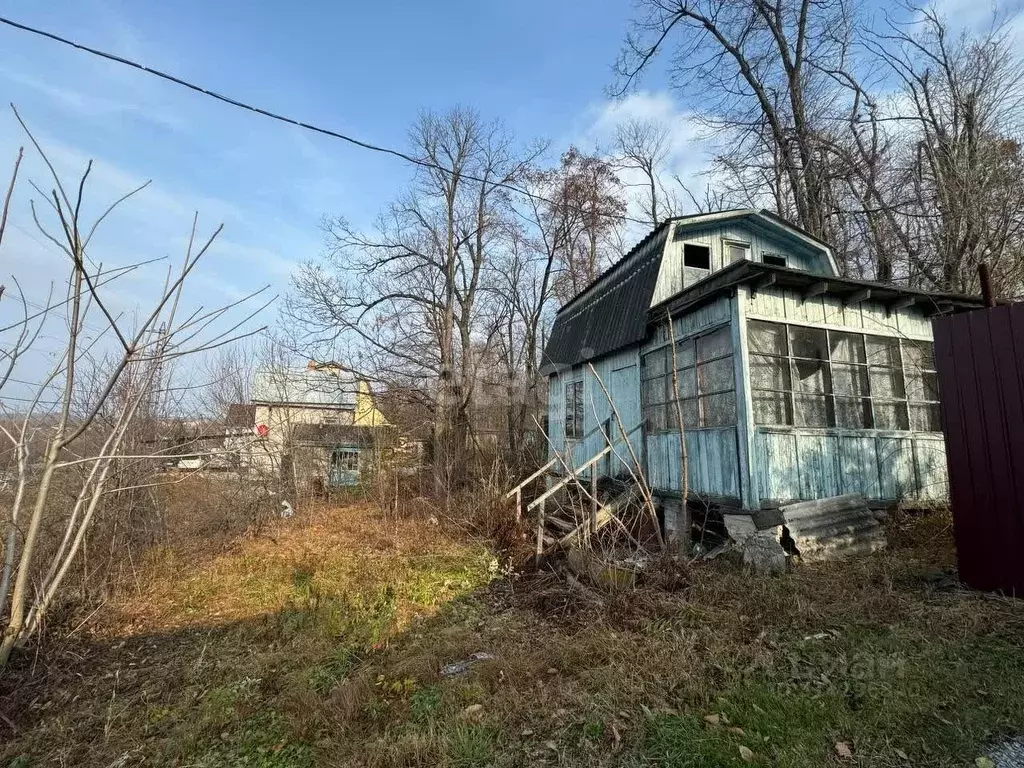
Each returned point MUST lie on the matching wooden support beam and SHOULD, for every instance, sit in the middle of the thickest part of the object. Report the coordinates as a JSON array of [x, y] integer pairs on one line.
[[539, 554], [815, 290], [900, 303], [858, 298], [763, 283]]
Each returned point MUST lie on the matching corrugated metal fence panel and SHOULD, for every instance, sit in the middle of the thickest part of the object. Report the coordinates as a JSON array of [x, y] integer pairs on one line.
[[980, 359], [713, 457]]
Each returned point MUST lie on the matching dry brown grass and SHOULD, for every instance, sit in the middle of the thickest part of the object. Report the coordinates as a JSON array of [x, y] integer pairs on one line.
[[322, 642]]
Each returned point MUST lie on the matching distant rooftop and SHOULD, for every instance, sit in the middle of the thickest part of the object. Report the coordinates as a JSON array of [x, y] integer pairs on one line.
[[324, 386]]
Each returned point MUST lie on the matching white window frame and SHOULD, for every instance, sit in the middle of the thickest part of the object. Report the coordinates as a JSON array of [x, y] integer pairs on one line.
[[729, 242]]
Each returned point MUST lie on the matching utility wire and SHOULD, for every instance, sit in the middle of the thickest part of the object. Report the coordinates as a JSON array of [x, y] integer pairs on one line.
[[291, 121]]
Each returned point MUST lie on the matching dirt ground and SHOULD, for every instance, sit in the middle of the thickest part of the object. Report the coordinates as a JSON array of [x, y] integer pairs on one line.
[[326, 641]]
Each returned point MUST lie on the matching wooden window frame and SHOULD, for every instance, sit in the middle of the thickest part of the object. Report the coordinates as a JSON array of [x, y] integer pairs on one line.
[[705, 246], [903, 403], [700, 396], [342, 459], [728, 242], [577, 415]]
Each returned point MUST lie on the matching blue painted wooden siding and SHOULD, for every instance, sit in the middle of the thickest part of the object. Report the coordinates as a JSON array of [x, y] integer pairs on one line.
[[620, 374], [712, 454], [712, 457], [674, 277], [812, 464], [774, 304]]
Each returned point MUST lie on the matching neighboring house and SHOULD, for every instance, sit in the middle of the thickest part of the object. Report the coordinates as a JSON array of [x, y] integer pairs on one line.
[[794, 383], [319, 420]]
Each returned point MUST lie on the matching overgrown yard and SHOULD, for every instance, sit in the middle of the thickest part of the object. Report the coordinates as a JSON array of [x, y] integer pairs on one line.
[[322, 641]]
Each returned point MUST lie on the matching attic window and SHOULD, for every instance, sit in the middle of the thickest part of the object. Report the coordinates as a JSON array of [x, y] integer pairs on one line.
[[735, 251], [696, 256], [774, 259]]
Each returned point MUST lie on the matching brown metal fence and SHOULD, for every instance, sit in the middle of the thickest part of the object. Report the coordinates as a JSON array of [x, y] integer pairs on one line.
[[979, 356]]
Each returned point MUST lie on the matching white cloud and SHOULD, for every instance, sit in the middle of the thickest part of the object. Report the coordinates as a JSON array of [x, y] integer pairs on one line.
[[690, 151]]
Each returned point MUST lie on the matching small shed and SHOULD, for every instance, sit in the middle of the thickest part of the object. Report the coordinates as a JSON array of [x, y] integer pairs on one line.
[[337, 455], [793, 382]]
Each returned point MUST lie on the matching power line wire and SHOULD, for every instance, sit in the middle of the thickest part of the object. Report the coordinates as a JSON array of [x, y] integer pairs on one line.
[[292, 121]]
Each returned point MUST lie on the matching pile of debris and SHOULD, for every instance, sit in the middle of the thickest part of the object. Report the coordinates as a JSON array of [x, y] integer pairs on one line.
[[812, 531]]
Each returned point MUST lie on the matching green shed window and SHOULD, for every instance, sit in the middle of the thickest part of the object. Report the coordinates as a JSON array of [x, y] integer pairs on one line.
[[813, 377], [345, 460], [706, 379]]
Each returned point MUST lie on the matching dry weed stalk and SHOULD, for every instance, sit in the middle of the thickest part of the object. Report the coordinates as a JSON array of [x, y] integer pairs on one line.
[[99, 398], [639, 476]]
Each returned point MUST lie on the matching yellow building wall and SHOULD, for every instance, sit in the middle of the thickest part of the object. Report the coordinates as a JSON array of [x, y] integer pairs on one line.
[[367, 414]]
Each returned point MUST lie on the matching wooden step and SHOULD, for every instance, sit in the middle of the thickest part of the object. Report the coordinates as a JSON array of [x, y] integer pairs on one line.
[[560, 522]]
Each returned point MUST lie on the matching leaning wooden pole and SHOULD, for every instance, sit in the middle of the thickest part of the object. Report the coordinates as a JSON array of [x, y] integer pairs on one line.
[[685, 524]]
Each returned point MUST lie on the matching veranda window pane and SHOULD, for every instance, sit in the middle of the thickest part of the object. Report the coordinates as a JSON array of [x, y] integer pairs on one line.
[[766, 338], [690, 418], [810, 411], [847, 347], [769, 372], [924, 417], [648, 393], [887, 382], [807, 342], [918, 356], [809, 376], [716, 376], [684, 354], [714, 344], [687, 382], [771, 408], [654, 363], [718, 410], [922, 386], [883, 351], [689, 411], [849, 380], [651, 417], [890, 415], [853, 413]]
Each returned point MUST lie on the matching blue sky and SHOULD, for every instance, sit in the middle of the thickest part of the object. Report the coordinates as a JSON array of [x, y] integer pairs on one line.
[[362, 68]]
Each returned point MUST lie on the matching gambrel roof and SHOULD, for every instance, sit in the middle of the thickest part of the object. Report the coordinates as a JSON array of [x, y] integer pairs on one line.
[[613, 312]]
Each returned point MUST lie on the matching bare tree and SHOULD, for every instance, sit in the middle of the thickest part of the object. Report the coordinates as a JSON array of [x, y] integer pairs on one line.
[[88, 403], [956, 196], [642, 147], [761, 72], [585, 204], [408, 296], [229, 375]]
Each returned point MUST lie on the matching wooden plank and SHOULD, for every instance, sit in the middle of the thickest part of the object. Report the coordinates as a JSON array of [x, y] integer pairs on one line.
[[569, 478], [818, 466], [933, 479], [895, 467], [818, 289], [779, 464], [858, 464], [857, 297], [744, 402], [902, 303], [517, 490]]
